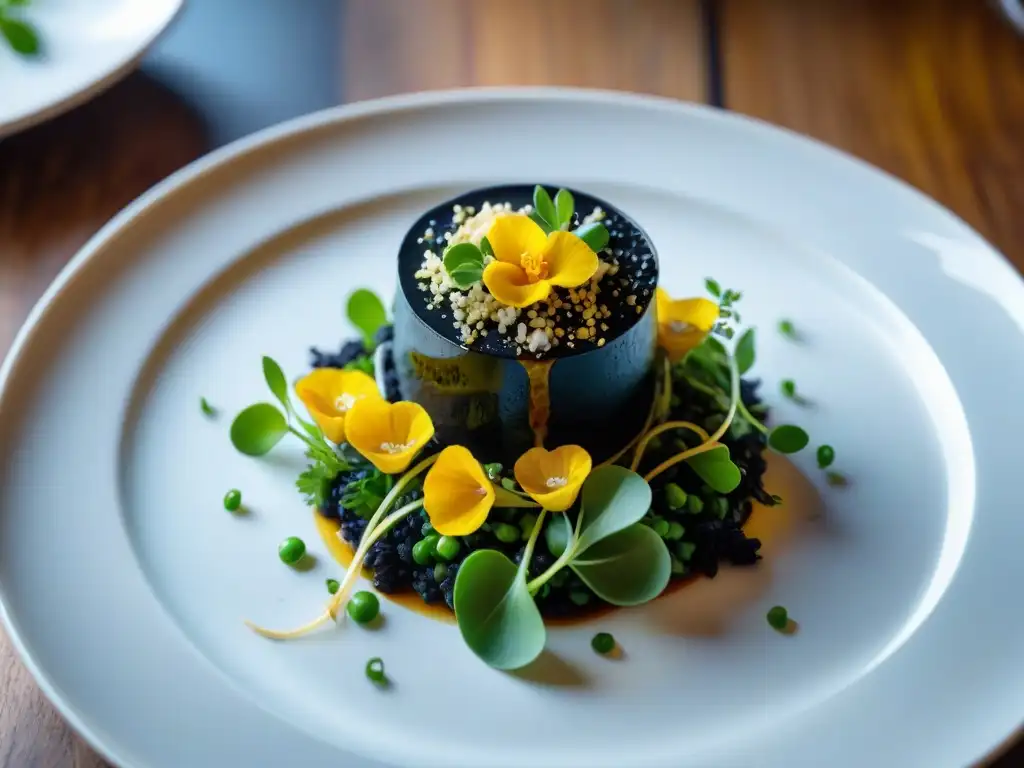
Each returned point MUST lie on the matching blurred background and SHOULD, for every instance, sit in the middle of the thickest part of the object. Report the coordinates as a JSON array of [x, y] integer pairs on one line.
[[929, 90]]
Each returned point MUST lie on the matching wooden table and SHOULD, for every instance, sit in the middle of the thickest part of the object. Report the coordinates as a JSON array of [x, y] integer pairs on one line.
[[930, 90]]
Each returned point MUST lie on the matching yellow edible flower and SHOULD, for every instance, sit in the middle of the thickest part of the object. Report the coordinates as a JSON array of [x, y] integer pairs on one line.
[[528, 262], [683, 323], [456, 493], [330, 393], [553, 478], [388, 435]]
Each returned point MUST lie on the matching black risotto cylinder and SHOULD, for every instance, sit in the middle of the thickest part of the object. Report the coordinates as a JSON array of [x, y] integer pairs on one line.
[[480, 395]]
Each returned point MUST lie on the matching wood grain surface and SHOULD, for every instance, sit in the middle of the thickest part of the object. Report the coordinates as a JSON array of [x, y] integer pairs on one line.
[[930, 90]]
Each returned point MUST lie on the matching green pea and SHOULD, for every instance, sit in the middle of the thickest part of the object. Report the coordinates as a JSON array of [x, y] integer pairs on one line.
[[291, 550], [826, 455], [423, 551], [685, 550], [526, 523], [675, 531], [778, 617], [660, 527], [375, 670], [721, 506], [363, 607], [447, 547], [603, 643], [579, 596], [440, 572], [506, 533], [233, 500], [675, 496], [333, 586], [493, 471], [694, 505]]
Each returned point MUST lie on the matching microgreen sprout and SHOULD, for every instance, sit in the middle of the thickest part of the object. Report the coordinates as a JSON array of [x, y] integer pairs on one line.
[[206, 408], [788, 388], [367, 313]]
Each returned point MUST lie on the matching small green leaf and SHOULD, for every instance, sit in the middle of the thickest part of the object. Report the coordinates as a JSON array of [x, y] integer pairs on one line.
[[485, 247], [787, 438], [716, 468], [786, 328], [276, 381], [613, 498], [713, 287], [496, 615], [564, 207], [366, 312], [826, 455], [788, 388], [630, 567], [594, 235], [540, 222], [745, 351], [544, 207], [466, 276], [206, 408], [464, 264], [21, 35], [257, 429]]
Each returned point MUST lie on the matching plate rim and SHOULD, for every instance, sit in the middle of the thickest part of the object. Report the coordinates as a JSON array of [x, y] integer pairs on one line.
[[110, 78], [479, 97]]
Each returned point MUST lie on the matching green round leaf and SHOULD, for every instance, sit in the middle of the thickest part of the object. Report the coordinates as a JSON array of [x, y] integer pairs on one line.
[[713, 287], [257, 429], [466, 276], [463, 254], [630, 567], [716, 468], [366, 312], [613, 498], [594, 235], [787, 438], [564, 207], [22, 36], [276, 381], [558, 534], [544, 207], [496, 615], [745, 351]]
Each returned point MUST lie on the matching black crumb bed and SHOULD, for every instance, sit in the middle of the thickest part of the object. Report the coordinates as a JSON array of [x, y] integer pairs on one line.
[[626, 294], [712, 527]]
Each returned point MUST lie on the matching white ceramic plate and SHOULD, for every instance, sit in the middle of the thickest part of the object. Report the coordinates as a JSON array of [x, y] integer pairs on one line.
[[88, 45], [124, 582]]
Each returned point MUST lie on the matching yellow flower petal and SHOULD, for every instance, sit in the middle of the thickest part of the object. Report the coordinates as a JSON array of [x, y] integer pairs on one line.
[[683, 323], [553, 478], [388, 435], [329, 394], [513, 235], [571, 262], [509, 284], [456, 493]]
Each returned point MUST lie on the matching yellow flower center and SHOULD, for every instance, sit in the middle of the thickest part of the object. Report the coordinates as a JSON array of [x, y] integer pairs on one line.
[[556, 482], [678, 326], [396, 447], [534, 265], [344, 402]]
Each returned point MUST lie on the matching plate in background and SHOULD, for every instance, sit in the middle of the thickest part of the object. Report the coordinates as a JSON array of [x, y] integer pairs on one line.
[[123, 582], [86, 47]]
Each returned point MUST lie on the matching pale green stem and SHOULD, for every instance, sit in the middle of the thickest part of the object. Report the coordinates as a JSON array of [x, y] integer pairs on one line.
[[563, 559], [754, 421], [528, 552]]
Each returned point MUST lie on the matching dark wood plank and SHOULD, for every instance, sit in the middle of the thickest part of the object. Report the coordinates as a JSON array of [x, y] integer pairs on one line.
[[651, 46], [930, 90]]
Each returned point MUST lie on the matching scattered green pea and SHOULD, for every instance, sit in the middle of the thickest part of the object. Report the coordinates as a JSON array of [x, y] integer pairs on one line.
[[603, 643], [778, 617], [333, 586], [423, 551], [675, 531], [363, 607], [440, 572], [291, 550], [506, 533], [786, 328], [660, 527], [694, 504], [675, 496], [788, 387], [206, 408], [685, 550], [493, 471], [826, 455], [579, 596], [233, 500], [447, 547], [721, 505], [375, 670]]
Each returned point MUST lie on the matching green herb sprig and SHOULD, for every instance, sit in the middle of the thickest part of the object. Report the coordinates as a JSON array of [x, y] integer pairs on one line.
[[21, 35]]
